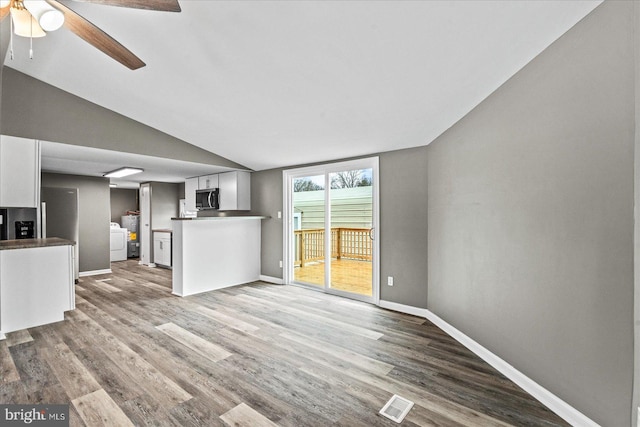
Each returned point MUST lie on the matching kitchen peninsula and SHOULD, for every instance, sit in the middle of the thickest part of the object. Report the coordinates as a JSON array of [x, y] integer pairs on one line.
[[36, 282], [215, 252]]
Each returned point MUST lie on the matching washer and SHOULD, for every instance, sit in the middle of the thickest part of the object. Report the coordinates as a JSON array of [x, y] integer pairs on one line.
[[118, 242]]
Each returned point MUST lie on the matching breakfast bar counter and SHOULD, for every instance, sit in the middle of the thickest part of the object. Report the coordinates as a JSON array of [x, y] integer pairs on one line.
[[215, 252]]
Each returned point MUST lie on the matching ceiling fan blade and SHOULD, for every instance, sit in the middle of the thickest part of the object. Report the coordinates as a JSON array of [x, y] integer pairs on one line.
[[97, 38], [161, 5]]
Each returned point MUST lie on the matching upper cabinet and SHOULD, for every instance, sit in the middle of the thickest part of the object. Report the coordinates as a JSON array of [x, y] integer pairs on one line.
[[19, 172], [207, 182], [235, 191]]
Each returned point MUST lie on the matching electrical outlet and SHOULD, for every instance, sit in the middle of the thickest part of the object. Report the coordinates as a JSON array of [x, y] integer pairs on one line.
[[280, 264], [279, 215], [390, 280]]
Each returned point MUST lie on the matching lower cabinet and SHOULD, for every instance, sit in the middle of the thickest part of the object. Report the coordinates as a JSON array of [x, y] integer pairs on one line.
[[36, 286], [162, 248]]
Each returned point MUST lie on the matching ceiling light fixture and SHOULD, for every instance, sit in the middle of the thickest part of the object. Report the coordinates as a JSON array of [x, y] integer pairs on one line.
[[32, 18], [122, 172]]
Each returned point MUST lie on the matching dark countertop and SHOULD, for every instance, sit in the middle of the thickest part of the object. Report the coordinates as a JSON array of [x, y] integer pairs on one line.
[[162, 230], [220, 218], [33, 243]]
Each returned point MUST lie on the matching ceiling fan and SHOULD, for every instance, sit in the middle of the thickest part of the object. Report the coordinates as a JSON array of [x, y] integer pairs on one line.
[[33, 18]]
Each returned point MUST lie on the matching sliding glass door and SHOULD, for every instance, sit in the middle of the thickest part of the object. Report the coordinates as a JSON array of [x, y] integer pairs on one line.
[[331, 212]]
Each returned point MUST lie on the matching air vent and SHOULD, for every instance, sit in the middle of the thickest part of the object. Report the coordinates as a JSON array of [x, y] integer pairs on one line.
[[396, 408]]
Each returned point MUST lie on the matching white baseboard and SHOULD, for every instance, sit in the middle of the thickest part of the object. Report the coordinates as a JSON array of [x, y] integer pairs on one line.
[[550, 400], [270, 279], [95, 272]]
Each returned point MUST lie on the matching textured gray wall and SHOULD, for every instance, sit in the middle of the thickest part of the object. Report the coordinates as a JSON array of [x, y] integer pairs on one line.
[[531, 218], [94, 217], [123, 200], [34, 109]]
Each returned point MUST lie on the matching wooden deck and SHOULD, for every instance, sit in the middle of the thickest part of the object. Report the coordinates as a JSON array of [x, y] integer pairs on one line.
[[346, 275]]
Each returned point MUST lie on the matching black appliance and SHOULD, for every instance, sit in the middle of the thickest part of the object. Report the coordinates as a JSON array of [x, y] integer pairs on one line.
[[25, 229], [208, 199], [18, 223]]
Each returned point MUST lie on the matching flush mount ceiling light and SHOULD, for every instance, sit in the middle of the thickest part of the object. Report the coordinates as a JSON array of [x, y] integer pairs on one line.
[[119, 173], [34, 18]]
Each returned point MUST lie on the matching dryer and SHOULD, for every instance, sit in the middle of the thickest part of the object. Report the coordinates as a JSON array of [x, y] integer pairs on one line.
[[118, 242]]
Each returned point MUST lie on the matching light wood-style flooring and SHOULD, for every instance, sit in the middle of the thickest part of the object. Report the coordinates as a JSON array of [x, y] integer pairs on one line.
[[251, 355]]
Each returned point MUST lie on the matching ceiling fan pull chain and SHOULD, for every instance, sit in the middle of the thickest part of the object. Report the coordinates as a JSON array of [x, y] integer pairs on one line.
[[11, 37], [31, 40]]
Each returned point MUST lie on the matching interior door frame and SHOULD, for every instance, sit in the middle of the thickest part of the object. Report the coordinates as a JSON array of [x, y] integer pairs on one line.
[[288, 236]]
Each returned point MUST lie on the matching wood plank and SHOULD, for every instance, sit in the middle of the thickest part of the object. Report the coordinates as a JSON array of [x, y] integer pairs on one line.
[[98, 409], [364, 362], [218, 316], [357, 330], [75, 378], [199, 345], [163, 388], [18, 337], [8, 371], [244, 415]]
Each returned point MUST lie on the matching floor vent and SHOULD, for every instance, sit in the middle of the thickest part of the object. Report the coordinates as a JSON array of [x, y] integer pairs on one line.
[[396, 408]]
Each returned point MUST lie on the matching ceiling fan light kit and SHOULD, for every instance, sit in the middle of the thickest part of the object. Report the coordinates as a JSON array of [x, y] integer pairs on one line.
[[34, 18], [49, 18]]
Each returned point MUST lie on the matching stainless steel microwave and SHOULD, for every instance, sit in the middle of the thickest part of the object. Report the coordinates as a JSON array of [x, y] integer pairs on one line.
[[208, 199]]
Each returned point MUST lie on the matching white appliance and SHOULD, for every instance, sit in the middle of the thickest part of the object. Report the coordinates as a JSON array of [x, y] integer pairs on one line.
[[118, 242]]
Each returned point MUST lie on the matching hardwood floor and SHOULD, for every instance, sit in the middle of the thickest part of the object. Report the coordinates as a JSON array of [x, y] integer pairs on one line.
[[252, 355]]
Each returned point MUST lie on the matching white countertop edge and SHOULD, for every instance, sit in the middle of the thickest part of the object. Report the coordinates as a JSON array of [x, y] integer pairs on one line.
[[219, 218]]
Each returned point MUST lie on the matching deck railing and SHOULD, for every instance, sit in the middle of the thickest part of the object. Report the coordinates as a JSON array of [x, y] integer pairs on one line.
[[350, 243]]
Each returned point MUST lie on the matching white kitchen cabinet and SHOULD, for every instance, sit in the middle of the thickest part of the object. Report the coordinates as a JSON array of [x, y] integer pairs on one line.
[[208, 182], [235, 190], [162, 248], [32, 296], [19, 172], [190, 187]]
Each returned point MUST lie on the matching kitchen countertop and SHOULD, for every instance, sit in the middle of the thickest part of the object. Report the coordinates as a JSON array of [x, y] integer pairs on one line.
[[220, 218], [162, 230], [33, 243]]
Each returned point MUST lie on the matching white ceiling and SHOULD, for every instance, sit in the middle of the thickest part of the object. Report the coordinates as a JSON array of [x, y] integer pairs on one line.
[[279, 83]]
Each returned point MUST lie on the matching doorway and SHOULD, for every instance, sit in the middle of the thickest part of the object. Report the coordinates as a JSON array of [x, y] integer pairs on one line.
[[331, 223]]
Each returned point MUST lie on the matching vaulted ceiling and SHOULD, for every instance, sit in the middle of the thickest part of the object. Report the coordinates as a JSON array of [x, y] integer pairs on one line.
[[278, 83]]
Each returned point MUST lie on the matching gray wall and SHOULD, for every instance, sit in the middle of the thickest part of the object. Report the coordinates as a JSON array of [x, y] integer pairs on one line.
[[266, 199], [36, 110], [94, 210], [636, 381], [164, 204], [531, 218], [403, 227], [123, 200], [5, 36]]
